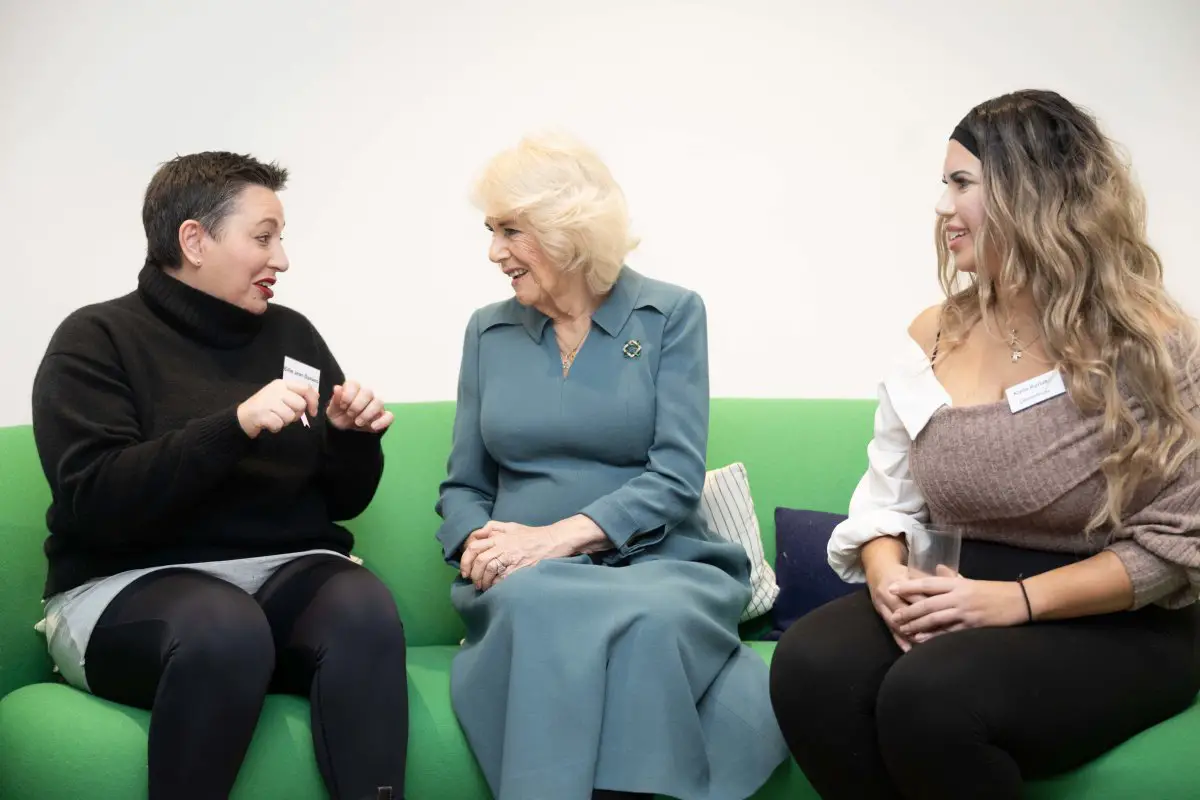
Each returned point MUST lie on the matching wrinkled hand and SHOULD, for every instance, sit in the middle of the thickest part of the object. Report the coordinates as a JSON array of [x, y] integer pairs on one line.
[[499, 549], [356, 408], [471, 549], [275, 406], [949, 602], [887, 602]]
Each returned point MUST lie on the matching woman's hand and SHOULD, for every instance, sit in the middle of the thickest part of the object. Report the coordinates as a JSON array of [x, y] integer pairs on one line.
[[883, 560], [275, 406], [950, 602], [886, 602], [499, 549], [470, 550], [355, 408]]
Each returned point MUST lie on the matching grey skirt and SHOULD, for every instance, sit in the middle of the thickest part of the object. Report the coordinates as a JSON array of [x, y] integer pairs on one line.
[[70, 617]]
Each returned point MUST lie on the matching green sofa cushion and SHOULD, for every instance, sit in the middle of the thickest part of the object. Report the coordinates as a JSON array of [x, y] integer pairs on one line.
[[24, 497], [440, 763], [60, 744]]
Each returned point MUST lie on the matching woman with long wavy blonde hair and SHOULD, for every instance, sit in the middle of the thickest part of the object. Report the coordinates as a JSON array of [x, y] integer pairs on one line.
[[1045, 414]]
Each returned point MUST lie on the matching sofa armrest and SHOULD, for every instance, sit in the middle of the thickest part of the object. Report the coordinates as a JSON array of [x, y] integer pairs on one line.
[[23, 657]]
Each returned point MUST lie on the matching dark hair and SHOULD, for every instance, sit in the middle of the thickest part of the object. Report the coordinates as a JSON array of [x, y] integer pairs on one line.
[[203, 187], [1038, 132]]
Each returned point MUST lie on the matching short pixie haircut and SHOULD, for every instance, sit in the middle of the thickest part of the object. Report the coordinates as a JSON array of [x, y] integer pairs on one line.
[[200, 186], [563, 192]]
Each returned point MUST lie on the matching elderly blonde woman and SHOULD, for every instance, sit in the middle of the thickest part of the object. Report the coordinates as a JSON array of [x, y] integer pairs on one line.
[[602, 656]]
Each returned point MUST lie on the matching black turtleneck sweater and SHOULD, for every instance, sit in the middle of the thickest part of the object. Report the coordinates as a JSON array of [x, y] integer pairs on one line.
[[135, 418]]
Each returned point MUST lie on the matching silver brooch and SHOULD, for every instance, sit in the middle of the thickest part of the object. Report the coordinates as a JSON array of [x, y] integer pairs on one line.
[[632, 348]]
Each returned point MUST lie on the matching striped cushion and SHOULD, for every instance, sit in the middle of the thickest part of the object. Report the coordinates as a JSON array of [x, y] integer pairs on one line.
[[729, 510]]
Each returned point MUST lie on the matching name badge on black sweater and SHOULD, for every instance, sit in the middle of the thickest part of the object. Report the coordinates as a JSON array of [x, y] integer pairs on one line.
[[294, 370]]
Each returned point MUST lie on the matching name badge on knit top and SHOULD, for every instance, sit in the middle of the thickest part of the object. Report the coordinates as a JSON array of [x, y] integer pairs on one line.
[[1035, 390], [294, 370]]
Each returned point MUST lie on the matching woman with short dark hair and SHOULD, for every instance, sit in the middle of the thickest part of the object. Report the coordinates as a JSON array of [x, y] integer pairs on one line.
[[195, 562]]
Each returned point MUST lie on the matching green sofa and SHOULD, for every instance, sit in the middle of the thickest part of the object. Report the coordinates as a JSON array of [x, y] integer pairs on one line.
[[57, 743]]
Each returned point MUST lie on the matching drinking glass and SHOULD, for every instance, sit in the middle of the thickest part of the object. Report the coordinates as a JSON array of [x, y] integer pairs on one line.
[[933, 546]]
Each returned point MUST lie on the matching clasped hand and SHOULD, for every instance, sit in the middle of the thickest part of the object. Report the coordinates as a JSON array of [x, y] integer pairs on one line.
[[499, 549], [949, 602]]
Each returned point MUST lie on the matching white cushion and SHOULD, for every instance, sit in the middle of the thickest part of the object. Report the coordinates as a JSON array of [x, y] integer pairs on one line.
[[728, 508]]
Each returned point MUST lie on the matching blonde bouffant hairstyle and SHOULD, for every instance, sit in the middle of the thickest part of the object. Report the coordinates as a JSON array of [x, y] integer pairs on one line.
[[1064, 218], [561, 190]]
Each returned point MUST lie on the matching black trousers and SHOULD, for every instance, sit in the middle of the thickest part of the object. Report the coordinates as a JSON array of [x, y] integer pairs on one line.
[[202, 655], [973, 713]]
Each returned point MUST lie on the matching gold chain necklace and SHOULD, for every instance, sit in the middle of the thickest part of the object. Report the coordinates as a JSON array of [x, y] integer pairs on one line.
[[568, 356], [1016, 348], [1014, 344]]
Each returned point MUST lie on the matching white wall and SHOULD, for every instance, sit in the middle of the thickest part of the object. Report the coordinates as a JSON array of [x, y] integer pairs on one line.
[[781, 157]]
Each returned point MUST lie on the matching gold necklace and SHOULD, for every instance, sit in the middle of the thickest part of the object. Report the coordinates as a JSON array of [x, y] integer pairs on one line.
[[1016, 349], [1014, 344], [568, 356]]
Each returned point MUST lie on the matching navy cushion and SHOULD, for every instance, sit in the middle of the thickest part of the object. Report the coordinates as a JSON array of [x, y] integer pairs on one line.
[[805, 579]]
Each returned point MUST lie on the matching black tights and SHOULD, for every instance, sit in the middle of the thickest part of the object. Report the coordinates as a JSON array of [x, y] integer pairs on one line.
[[202, 655], [973, 713]]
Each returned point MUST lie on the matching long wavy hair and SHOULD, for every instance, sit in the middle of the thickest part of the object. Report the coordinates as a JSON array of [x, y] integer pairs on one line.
[[1064, 218]]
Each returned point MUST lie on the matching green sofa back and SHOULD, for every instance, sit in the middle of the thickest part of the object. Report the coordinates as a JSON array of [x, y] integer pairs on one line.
[[798, 453]]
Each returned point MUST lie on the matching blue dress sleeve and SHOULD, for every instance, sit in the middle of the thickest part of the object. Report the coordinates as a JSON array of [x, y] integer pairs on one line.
[[466, 495], [640, 513]]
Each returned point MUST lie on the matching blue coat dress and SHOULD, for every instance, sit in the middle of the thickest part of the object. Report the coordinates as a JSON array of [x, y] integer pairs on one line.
[[621, 671]]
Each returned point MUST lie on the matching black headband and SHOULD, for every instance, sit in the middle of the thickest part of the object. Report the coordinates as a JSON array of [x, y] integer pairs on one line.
[[966, 139]]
